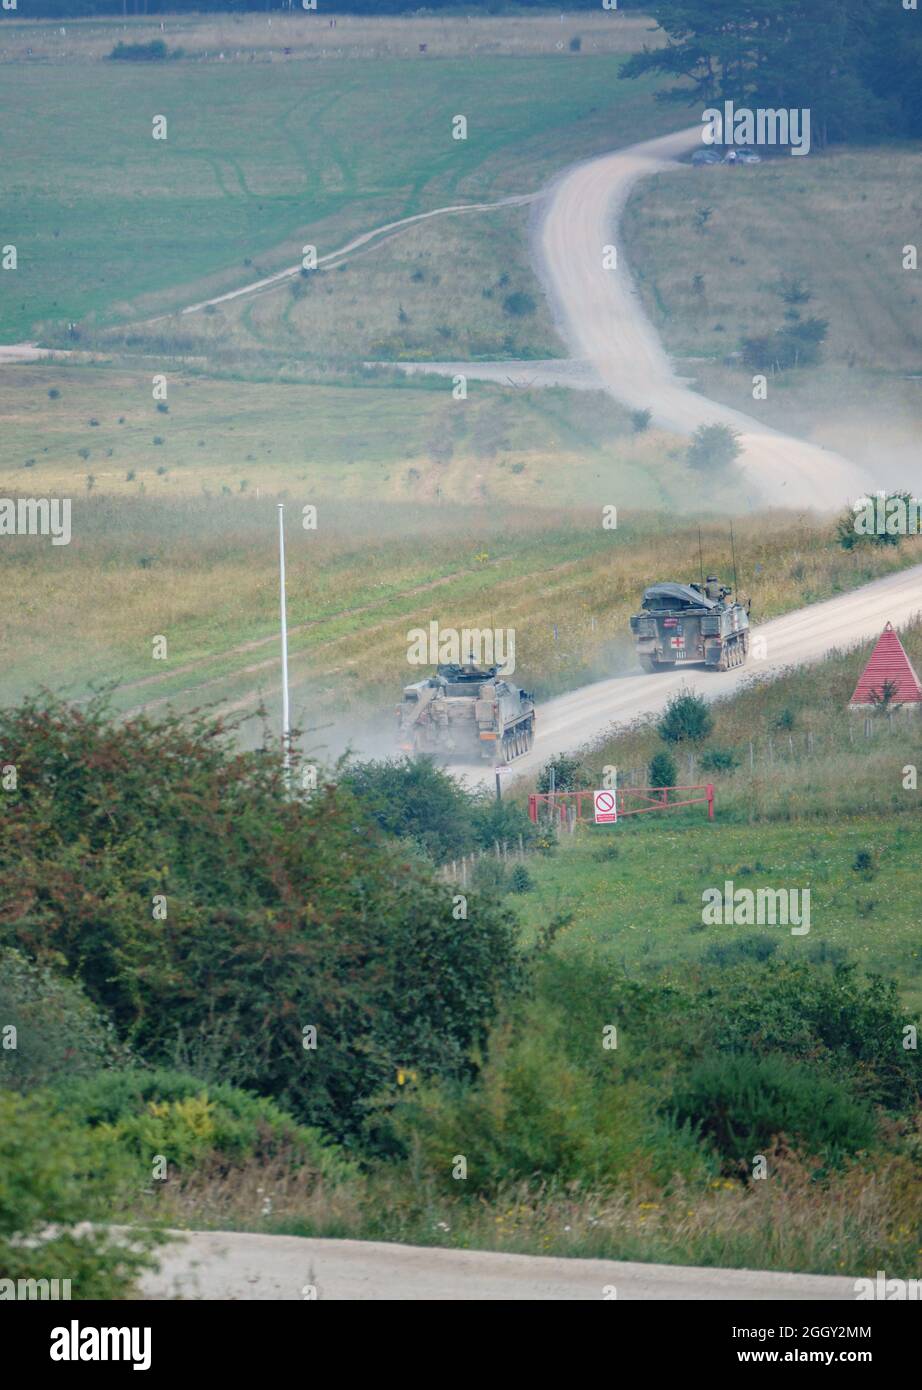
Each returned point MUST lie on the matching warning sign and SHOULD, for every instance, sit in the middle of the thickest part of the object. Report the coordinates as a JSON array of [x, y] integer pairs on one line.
[[606, 809]]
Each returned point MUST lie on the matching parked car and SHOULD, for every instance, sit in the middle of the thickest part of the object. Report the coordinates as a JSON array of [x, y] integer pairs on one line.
[[746, 156], [705, 157]]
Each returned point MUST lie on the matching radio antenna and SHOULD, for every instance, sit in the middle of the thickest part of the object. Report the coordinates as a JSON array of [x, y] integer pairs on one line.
[[736, 587], [700, 559]]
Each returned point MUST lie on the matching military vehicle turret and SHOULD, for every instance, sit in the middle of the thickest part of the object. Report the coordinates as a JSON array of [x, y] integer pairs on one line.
[[691, 624], [464, 713]]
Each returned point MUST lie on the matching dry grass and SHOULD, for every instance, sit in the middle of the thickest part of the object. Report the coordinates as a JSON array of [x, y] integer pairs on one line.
[[836, 221], [245, 38], [860, 1220]]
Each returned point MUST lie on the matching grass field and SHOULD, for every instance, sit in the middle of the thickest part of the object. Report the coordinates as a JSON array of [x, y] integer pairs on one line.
[[366, 436], [642, 907], [202, 572], [263, 155], [837, 222]]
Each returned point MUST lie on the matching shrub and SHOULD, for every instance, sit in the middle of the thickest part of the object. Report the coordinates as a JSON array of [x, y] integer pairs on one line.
[[742, 1104], [640, 420], [58, 1030], [662, 770], [188, 1121], [719, 760], [520, 880], [854, 1027], [54, 394], [155, 51], [686, 719], [414, 799], [53, 1175], [713, 447], [533, 1113], [569, 774], [519, 304], [744, 948], [283, 912]]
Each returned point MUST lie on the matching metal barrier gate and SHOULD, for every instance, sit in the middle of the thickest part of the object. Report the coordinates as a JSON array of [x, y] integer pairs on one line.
[[557, 804]]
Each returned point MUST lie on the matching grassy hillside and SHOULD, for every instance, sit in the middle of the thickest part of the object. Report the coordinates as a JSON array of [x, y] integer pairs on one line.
[[635, 894], [202, 572], [263, 154], [836, 223]]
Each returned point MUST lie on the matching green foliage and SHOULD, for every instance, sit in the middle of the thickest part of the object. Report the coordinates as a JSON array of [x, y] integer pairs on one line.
[[155, 51], [854, 1027], [640, 420], [414, 799], [520, 880], [662, 771], [177, 1115], [796, 345], [533, 1113], [713, 448], [719, 760], [59, 1032], [283, 913], [687, 719], [853, 529], [743, 948], [53, 1175], [569, 774], [743, 1104], [519, 304]]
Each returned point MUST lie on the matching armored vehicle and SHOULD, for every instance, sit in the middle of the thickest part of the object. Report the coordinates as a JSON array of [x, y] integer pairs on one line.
[[466, 712], [689, 624]]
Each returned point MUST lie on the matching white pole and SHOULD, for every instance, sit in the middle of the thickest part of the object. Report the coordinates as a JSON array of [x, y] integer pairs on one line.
[[286, 726]]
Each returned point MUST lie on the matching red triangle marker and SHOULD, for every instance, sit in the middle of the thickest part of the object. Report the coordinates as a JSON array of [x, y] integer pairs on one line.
[[888, 662]]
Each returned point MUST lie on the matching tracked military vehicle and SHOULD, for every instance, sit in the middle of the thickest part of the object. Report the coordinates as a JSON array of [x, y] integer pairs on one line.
[[464, 713], [691, 624]]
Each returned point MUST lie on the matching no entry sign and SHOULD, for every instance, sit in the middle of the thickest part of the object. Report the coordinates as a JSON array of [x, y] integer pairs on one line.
[[605, 805]]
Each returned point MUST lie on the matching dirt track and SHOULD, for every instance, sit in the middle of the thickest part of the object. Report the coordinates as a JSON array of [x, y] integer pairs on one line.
[[797, 638], [230, 1265], [601, 317]]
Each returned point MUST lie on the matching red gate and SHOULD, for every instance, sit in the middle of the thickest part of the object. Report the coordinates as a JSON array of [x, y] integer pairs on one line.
[[649, 799]]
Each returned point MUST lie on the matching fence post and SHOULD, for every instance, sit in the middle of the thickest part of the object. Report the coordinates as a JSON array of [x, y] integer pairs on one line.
[[752, 756], [710, 800]]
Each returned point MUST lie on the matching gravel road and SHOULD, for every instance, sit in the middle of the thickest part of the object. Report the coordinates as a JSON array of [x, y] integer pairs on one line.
[[603, 322], [229, 1265]]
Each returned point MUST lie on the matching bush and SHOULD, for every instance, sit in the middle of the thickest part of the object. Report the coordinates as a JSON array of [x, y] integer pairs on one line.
[[662, 771], [640, 420], [569, 774], [686, 719], [414, 799], [713, 448], [58, 1030], [175, 1114], [719, 760], [519, 304], [854, 1028], [53, 1175], [520, 880], [282, 913], [744, 948], [154, 52], [742, 1104], [532, 1113]]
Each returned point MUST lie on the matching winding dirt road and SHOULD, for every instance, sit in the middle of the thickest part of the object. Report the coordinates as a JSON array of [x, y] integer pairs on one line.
[[603, 322]]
